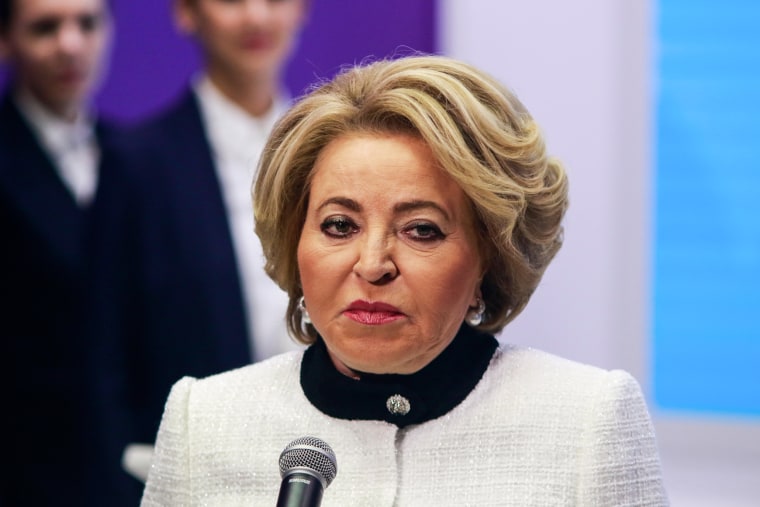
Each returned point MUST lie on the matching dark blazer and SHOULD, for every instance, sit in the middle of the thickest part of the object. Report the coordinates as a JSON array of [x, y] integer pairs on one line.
[[166, 277], [47, 425]]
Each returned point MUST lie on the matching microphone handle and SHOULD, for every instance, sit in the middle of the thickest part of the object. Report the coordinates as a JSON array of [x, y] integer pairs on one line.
[[300, 489]]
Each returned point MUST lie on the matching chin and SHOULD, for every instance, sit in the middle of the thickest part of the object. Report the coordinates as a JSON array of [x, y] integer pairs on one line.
[[376, 354]]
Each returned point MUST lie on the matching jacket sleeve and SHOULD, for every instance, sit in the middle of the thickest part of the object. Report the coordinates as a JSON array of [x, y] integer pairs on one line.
[[169, 478], [620, 464]]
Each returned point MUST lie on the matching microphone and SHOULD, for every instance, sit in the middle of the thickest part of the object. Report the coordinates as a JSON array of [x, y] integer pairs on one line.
[[307, 467]]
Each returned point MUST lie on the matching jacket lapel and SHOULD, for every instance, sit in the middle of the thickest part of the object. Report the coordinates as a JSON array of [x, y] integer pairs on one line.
[[204, 230], [34, 189]]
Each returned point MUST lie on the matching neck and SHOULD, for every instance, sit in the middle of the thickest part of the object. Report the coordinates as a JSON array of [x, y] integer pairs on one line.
[[69, 112], [253, 95]]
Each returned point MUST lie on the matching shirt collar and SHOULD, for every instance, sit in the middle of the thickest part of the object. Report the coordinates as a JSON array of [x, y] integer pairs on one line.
[[229, 126], [55, 133]]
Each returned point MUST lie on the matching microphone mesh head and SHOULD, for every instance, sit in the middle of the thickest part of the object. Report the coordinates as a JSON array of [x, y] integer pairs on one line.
[[311, 453]]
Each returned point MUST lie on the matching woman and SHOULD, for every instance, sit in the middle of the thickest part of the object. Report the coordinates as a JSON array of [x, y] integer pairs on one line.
[[409, 209]]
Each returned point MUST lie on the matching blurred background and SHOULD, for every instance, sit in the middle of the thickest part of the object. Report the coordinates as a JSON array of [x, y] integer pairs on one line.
[[653, 107]]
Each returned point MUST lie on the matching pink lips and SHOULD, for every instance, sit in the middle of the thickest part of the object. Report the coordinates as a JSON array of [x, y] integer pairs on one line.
[[257, 43], [372, 314], [71, 76]]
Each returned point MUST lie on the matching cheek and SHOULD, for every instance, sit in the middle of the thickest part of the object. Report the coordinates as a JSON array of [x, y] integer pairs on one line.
[[38, 67], [449, 282], [291, 17], [314, 264], [36, 56], [304, 264], [99, 44], [322, 280], [322, 271]]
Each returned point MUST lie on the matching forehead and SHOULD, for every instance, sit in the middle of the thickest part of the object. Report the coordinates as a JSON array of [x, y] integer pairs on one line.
[[357, 155], [28, 9], [280, 5], [382, 167]]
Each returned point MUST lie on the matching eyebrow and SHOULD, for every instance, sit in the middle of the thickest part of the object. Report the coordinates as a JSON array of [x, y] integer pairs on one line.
[[341, 201], [402, 207]]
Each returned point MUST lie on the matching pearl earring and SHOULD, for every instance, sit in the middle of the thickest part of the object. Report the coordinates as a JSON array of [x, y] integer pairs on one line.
[[305, 318], [475, 316]]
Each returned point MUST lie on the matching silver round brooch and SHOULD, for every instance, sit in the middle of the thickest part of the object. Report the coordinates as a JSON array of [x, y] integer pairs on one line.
[[398, 405]]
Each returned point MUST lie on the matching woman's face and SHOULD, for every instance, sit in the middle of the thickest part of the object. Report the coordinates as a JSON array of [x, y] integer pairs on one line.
[[388, 254]]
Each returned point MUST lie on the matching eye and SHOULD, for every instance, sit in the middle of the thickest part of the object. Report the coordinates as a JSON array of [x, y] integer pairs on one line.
[[44, 26], [424, 232], [338, 227], [89, 23]]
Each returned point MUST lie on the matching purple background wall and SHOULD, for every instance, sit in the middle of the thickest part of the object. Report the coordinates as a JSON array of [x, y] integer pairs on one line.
[[151, 62]]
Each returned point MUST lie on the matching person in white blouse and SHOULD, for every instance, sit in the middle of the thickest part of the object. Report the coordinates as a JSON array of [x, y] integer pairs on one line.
[[409, 207], [51, 145], [179, 272]]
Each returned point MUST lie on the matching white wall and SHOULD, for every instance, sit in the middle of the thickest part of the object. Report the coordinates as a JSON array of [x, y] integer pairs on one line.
[[572, 65], [584, 70]]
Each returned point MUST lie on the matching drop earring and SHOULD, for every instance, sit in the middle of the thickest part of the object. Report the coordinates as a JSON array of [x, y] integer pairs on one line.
[[475, 316], [305, 318]]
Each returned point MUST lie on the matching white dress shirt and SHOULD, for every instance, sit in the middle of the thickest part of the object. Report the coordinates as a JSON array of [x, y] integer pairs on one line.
[[71, 145], [237, 140]]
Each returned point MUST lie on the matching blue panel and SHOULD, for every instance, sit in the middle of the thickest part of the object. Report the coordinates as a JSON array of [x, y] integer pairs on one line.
[[707, 240]]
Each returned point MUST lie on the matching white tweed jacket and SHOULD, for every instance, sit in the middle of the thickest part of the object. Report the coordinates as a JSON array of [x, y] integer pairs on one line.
[[537, 430]]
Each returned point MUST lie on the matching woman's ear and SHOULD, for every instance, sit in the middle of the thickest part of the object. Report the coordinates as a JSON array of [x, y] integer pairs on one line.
[[477, 296]]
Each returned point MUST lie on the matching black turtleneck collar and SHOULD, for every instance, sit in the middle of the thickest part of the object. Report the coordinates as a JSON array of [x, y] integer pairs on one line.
[[431, 392]]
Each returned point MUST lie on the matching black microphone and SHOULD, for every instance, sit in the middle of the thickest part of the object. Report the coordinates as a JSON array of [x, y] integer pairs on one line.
[[307, 467]]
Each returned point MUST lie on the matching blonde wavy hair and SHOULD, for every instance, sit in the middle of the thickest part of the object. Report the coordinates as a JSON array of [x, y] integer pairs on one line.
[[479, 134]]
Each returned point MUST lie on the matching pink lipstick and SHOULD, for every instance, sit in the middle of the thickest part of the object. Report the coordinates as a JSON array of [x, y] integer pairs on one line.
[[372, 314]]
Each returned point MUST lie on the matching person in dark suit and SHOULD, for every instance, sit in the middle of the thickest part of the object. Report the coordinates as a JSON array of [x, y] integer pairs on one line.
[[50, 163], [178, 274]]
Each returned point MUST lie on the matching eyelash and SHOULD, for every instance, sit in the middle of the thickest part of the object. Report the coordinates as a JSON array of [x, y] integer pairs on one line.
[[423, 232], [329, 225]]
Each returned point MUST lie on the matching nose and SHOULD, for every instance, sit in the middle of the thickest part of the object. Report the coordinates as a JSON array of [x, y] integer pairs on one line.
[[71, 38], [375, 263], [257, 11]]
